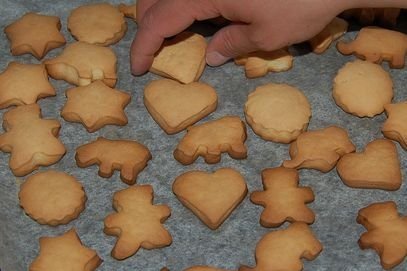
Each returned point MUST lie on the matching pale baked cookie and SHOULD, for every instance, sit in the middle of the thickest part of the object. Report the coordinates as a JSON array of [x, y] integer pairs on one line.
[[211, 139], [100, 24], [130, 157], [277, 112], [130, 11], [175, 106], [181, 58], [137, 223], [24, 84], [319, 149], [211, 196], [258, 64], [81, 63], [95, 106], [31, 140], [65, 253], [203, 268], [395, 127], [378, 166], [362, 88], [333, 31], [52, 197], [282, 250], [34, 34]]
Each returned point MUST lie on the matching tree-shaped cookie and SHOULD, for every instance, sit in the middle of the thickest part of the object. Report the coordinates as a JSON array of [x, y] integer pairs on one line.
[[137, 223], [282, 198], [395, 127], [31, 140], [386, 232], [282, 250], [130, 157]]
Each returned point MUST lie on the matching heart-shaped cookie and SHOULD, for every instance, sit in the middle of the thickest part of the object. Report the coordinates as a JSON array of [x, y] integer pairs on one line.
[[211, 196], [175, 106]]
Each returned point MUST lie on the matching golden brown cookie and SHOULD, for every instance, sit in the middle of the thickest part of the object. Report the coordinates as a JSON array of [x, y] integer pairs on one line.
[[24, 84], [181, 58], [203, 268], [395, 127], [34, 34], [367, 16], [211, 196], [65, 253], [175, 106], [52, 197], [282, 198], [137, 223], [378, 166], [211, 139], [130, 11], [31, 140], [277, 112], [130, 157], [319, 149], [95, 106], [333, 31], [282, 250], [386, 232], [81, 63], [100, 24], [362, 88]]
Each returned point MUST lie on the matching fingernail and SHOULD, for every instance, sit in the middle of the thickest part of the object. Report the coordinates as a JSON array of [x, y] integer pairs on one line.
[[215, 59]]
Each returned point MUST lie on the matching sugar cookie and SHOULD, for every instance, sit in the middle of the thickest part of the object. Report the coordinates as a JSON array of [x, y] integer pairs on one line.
[[333, 31], [395, 127]]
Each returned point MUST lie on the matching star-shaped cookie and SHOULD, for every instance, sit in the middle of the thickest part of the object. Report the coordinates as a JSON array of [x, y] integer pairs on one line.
[[95, 106], [35, 34], [395, 126]]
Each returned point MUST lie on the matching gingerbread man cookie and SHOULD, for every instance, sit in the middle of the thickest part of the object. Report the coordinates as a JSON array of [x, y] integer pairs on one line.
[[333, 31], [395, 127]]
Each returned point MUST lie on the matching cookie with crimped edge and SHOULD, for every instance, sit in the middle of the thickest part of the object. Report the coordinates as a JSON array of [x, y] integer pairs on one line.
[[282, 198], [362, 88], [137, 223], [181, 58], [34, 34], [211, 139], [175, 106], [95, 106], [31, 140], [52, 197], [376, 44], [395, 127], [204, 268], [319, 149], [212, 197], [101, 24], [277, 112], [24, 84], [386, 232], [378, 166], [127, 156], [81, 63], [65, 253], [333, 31], [282, 250], [129, 11]]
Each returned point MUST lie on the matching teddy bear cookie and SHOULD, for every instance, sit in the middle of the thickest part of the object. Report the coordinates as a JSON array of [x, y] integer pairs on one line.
[[211, 196], [31, 140], [395, 127], [277, 112], [100, 24], [175, 106], [333, 31], [211, 139], [128, 156], [34, 34], [362, 88], [129, 11], [319, 149], [81, 63], [52, 197]]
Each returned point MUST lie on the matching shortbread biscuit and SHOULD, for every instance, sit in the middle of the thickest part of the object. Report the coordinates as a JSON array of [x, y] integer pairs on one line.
[[31, 140], [24, 84], [211, 139], [35, 34], [319, 149], [368, 16], [81, 63], [100, 24], [333, 31], [395, 127], [378, 166], [277, 112], [52, 197], [203, 268], [95, 106], [211, 196], [181, 58], [175, 106], [130, 11], [362, 88]]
